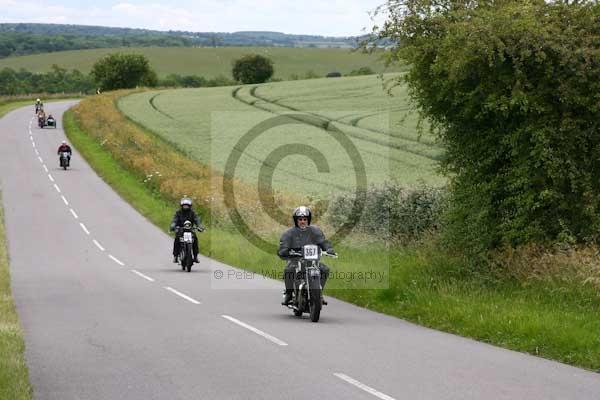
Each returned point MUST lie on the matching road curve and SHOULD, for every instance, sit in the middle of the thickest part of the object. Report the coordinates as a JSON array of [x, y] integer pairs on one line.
[[107, 315]]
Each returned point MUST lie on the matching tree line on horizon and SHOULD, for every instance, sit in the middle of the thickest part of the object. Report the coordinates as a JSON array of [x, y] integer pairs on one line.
[[25, 38]]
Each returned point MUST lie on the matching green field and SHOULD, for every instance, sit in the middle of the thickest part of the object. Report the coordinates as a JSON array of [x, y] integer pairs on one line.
[[207, 61], [208, 123]]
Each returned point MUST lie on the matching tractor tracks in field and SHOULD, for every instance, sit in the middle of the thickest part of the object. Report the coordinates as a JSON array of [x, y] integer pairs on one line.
[[151, 101], [255, 100]]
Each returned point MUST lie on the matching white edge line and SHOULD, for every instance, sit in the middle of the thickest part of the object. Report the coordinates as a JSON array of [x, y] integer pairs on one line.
[[188, 298], [84, 228], [57, 188], [40, 158], [45, 168], [146, 277], [33, 143], [37, 153], [115, 259], [65, 200], [51, 178], [362, 386], [74, 214], [98, 245], [255, 330]]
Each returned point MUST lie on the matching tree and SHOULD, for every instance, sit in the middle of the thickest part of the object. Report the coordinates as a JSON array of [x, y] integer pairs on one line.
[[123, 71], [252, 68], [511, 88]]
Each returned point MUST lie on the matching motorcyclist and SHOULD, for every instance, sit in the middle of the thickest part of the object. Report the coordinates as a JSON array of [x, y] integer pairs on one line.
[[185, 213], [64, 148], [302, 233], [41, 117], [50, 117], [38, 105]]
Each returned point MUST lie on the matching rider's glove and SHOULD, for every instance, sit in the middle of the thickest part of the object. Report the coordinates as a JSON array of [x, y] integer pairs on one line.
[[331, 251]]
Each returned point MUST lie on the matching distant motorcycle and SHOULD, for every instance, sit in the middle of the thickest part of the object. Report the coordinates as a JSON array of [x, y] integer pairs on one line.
[[41, 121], [306, 297], [65, 160], [186, 238]]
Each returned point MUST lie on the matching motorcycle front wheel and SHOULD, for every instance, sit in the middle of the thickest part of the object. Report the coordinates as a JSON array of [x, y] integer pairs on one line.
[[315, 304]]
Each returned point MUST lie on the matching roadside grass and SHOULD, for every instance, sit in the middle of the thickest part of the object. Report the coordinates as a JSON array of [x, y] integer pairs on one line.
[[14, 376], [210, 62], [425, 285]]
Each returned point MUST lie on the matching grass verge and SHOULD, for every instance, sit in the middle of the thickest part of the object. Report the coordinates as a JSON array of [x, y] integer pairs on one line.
[[552, 321], [14, 377]]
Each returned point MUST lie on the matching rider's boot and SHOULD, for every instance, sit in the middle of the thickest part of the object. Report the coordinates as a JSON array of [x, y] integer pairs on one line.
[[287, 298], [196, 258], [175, 259]]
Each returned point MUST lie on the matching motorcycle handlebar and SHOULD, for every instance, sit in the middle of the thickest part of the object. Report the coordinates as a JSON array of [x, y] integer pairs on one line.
[[294, 253]]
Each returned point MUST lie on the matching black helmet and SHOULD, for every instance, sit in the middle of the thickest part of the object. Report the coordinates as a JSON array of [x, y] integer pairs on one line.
[[302, 211]]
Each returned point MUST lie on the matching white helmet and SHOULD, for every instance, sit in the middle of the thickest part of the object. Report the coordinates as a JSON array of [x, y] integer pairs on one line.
[[185, 201]]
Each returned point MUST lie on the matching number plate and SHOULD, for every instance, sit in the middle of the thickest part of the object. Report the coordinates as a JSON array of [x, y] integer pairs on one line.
[[187, 237], [311, 252]]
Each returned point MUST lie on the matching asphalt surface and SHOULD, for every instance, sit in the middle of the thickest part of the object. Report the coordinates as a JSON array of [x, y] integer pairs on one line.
[[107, 315]]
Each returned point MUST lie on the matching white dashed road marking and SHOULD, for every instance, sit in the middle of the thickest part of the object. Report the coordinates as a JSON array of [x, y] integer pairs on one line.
[[98, 245], [64, 200], [146, 277], [362, 386], [115, 259], [73, 212], [255, 330], [84, 228], [51, 178], [57, 188], [184, 296]]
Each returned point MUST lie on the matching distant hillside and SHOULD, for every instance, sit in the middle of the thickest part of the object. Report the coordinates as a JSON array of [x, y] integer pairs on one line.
[[290, 63], [28, 38]]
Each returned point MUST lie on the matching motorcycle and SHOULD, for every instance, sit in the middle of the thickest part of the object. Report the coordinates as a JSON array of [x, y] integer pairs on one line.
[[186, 239], [41, 122], [65, 160], [306, 296]]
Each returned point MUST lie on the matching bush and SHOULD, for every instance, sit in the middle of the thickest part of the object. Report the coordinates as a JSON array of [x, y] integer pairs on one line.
[[123, 71], [333, 74], [393, 213], [252, 68], [511, 88], [361, 71]]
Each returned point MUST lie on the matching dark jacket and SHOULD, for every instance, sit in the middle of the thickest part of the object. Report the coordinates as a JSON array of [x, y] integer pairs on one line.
[[185, 215], [64, 147], [294, 238]]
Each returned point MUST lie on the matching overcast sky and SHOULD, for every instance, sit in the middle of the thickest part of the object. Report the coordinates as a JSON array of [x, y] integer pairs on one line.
[[329, 18]]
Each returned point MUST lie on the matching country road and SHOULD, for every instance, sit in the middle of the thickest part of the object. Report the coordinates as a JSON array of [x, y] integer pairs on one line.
[[106, 315]]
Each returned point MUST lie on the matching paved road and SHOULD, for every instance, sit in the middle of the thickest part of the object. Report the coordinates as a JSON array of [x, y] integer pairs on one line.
[[108, 316]]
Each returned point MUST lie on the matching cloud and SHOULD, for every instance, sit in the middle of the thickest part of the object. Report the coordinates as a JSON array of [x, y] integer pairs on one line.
[[331, 18]]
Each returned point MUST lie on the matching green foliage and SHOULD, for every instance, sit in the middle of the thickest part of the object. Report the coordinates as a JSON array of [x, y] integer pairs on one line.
[[58, 80], [393, 213], [252, 68], [361, 71], [123, 71], [511, 88]]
